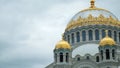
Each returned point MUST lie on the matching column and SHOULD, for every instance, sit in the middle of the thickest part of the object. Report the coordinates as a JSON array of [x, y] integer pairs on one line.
[[93, 35], [87, 37], [64, 57], [100, 31], [75, 39]]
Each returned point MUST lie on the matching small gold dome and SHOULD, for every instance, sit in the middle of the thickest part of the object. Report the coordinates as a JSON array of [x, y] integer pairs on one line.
[[63, 44], [107, 41]]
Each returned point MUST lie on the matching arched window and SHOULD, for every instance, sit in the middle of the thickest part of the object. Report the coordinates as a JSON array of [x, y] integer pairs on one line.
[[96, 34], [68, 38], [78, 59], [113, 54], [97, 59], [107, 54], [83, 36], [87, 57], [61, 57], [103, 33], [90, 32], [78, 36], [55, 57], [109, 33], [115, 36], [72, 38], [102, 54], [67, 57], [119, 36]]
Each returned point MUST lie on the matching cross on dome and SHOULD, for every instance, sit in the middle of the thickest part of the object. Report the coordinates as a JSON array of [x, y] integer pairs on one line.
[[106, 31], [92, 4]]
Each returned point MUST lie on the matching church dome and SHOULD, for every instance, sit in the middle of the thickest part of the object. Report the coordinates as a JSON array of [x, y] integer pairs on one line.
[[107, 41], [93, 16], [63, 44], [95, 12]]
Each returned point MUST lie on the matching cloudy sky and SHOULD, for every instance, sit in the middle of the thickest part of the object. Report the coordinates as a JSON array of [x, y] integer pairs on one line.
[[29, 29]]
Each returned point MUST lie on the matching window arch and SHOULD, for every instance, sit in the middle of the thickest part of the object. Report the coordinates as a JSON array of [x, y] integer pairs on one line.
[[96, 34], [68, 38], [61, 57], [67, 57], [90, 33], [107, 54], [119, 36], [72, 37], [88, 57], [83, 36], [78, 59], [97, 59], [113, 54], [115, 35], [78, 36], [55, 57], [103, 33], [102, 54], [109, 33]]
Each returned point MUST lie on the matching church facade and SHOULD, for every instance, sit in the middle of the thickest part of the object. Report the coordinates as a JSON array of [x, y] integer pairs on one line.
[[91, 28]]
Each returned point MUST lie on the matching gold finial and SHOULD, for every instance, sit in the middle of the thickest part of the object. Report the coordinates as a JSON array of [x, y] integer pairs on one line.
[[106, 31], [92, 4]]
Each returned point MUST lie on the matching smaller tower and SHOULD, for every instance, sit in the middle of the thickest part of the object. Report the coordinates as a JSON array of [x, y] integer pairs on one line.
[[62, 54], [107, 50]]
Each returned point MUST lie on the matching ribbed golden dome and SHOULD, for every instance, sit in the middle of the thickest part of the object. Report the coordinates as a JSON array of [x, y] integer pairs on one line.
[[93, 16], [63, 44], [107, 41]]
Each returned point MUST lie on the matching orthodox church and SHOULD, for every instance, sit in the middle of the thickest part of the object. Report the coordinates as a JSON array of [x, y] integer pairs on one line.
[[91, 40]]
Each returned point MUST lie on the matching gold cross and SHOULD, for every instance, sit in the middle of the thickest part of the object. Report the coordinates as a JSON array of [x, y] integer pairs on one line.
[[106, 31]]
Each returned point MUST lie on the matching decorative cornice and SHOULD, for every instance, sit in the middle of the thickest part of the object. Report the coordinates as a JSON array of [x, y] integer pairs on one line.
[[91, 20]]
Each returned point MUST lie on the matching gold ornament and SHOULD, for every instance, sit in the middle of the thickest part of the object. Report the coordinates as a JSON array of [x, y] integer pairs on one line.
[[107, 40]]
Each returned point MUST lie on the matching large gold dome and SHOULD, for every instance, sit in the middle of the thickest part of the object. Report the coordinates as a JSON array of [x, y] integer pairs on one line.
[[93, 16], [63, 44]]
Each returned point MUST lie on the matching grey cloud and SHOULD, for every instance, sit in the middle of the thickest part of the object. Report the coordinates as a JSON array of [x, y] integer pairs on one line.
[[29, 29]]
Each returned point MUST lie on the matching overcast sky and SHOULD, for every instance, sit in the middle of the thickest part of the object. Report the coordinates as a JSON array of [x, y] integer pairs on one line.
[[29, 29]]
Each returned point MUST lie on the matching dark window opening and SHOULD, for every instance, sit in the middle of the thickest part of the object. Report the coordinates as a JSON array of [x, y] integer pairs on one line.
[[107, 54], [103, 33], [55, 57], [115, 36], [67, 57], [78, 36], [101, 54], [113, 54], [119, 37], [72, 38], [83, 36], [109, 33], [78, 59], [61, 57], [97, 34], [87, 57], [90, 32], [68, 38], [97, 59]]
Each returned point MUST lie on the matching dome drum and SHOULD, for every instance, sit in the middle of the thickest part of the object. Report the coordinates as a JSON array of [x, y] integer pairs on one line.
[[91, 34]]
